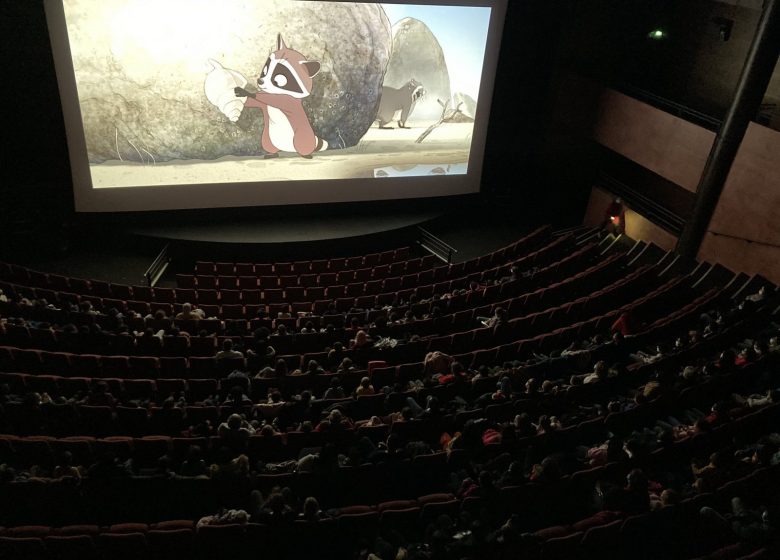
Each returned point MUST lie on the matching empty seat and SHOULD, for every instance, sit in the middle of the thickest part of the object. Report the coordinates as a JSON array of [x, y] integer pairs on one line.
[[72, 547]]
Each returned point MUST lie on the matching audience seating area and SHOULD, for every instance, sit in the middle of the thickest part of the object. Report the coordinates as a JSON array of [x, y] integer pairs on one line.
[[502, 407]]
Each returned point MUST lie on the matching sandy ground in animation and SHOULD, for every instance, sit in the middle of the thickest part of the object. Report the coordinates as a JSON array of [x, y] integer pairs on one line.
[[396, 149]]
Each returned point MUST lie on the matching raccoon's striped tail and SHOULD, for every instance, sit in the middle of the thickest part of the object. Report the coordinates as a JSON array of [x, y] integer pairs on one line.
[[322, 145]]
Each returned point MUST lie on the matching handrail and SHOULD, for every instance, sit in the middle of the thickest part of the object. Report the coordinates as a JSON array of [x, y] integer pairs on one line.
[[435, 246], [673, 107], [157, 268], [646, 206], [745, 239]]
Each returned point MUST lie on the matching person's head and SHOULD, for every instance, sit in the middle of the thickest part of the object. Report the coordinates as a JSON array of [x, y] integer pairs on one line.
[[227, 345], [186, 307], [67, 459], [335, 417], [313, 366], [551, 468], [281, 330], [236, 393], [613, 406], [346, 364], [234, 421], [365, 383], [637, 480], [486, 479], [717, 459], [522, 420], [281, 367], [600, 368], [275, 503], [310, 507], [531, 386], [267, 431], [194, 453]]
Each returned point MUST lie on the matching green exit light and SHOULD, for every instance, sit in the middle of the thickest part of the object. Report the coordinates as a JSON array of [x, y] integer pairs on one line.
[[657, 34]]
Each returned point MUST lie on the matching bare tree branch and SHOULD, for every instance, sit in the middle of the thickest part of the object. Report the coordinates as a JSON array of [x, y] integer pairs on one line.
[[445, 117]]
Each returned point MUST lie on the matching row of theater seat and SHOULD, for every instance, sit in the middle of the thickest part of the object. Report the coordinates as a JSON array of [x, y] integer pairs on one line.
[[411, 515], [179, 539], [631, 537], [95, 288], [137, 420], [580, 284], [355, 295], [685, 313], [572, 539], [14, 359], [335, 264], [531, 323]]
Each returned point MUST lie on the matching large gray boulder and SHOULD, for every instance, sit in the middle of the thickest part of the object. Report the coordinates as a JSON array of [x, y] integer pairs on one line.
[[417, 54], [141, 83]]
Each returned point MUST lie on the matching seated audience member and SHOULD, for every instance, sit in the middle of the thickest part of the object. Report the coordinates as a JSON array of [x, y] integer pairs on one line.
[[365, 388], [311, 511], [228, 351], [361, 340], [280, 369], [100, 396], [66, 469], [346, 366], [272, 407], [237, 398], [335, 391], [499, 316], [193, 465], [437, 362], [600, 373], [235, 431], [313, 368], [188, 313], [635, 497]]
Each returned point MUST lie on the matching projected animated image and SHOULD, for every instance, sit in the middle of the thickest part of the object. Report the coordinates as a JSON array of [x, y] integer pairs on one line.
[[195, 91]]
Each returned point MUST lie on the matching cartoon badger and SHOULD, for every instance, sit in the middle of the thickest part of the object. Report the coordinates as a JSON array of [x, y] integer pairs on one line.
[[286, 78]]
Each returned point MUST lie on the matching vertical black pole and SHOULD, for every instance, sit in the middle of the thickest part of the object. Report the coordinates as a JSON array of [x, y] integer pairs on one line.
[[753, 81]]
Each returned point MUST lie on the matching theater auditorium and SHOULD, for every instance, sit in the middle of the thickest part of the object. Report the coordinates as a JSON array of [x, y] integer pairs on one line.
[[414, 280]]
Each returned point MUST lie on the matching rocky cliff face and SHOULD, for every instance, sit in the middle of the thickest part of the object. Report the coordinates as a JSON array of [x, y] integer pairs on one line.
[[145, 101], [468, 106], [417, 54]]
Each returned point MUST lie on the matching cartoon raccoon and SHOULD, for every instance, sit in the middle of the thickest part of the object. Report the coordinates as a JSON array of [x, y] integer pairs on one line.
[[286, 78], [401, 99]]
